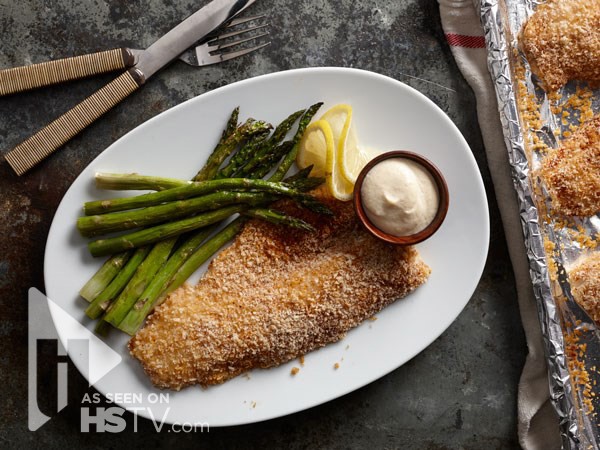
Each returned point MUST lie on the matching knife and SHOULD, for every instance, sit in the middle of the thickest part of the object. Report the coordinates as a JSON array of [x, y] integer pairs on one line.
[[50, 138]]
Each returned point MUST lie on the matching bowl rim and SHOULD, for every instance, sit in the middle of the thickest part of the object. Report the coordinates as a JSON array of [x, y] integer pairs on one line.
[[440, 181]]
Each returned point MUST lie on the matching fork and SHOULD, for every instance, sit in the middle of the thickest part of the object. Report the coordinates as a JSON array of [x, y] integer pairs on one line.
[[227, 43], [219, 48]]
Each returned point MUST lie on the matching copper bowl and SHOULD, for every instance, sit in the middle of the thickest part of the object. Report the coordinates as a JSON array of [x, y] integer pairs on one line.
[[430, 229]]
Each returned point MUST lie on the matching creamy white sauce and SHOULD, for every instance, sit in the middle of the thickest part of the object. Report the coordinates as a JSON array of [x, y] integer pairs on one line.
[[400, 196]]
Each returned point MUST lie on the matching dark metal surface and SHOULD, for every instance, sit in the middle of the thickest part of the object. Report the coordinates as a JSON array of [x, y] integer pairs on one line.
[[459, 393]]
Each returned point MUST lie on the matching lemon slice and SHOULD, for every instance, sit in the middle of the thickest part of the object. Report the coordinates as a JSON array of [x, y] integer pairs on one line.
[[338, 185], [315, 144], [317, 148], [351, 159], [331, 146]]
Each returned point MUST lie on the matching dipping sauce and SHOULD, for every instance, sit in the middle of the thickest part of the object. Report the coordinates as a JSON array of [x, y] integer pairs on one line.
[[400, 196]]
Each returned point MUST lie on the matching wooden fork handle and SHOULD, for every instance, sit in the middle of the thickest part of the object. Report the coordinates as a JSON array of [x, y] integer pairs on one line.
[[43, 74], [50, 138]]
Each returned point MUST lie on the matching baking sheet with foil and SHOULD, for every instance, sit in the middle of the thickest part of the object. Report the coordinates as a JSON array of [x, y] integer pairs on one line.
[[560, 317]]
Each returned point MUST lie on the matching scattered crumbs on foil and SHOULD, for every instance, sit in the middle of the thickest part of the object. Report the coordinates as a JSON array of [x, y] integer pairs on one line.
[[550, 248], [529, 110], [294, 371], [579, 235], [576, 352], [572, 110]]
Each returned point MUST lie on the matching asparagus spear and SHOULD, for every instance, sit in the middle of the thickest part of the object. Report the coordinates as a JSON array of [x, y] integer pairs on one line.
[[102, 247], [284, 127], [306, 184], [192, 189], [243, 155], [102, 328], [104, 276], [152, 294], [243, 132], [144, 273], [135, 317], [101, 302], [262, 164], [134, 181], [279, 218], [126, 220], [291, 156], [278, 135], [302, 181], [232, 124]]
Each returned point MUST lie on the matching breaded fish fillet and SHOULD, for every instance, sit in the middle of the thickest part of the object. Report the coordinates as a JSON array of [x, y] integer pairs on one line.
[[571, 172], [275, 294], [561, 41], [585, 284]]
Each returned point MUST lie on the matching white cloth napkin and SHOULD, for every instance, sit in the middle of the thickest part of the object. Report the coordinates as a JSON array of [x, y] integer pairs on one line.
[[537, 419]]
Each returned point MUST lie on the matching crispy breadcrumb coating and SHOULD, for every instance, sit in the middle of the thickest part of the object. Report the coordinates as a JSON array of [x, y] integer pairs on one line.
[[571, 172], [272, 296], [584, 278], [561, 41]]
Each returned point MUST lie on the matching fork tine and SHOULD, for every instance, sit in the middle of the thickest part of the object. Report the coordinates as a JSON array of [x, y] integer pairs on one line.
[[236, 33], [232, 24], [213, 48], [230, 55]]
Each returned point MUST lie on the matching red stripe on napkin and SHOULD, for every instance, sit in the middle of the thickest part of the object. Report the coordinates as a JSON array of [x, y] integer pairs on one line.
[[461, 40]]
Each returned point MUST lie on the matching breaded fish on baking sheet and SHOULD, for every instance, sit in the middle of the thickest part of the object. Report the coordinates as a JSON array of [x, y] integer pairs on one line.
[[561, 41], [584, 278], [275, 294], [571, 172]]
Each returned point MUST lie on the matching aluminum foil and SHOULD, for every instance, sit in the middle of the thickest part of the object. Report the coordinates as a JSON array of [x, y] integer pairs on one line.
[[559, 315]]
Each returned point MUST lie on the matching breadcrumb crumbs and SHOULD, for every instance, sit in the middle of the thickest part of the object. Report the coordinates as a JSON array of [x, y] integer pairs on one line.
[[550, 248], [575, 352]]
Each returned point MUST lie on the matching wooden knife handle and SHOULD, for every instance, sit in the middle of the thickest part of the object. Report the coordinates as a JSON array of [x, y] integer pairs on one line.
[[50, 138], [43, 74]]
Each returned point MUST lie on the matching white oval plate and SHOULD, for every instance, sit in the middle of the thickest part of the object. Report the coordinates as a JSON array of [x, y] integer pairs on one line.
[[388, 115]]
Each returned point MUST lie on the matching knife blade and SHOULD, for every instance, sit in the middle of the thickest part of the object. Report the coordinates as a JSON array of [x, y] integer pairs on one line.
[[186, 34]]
